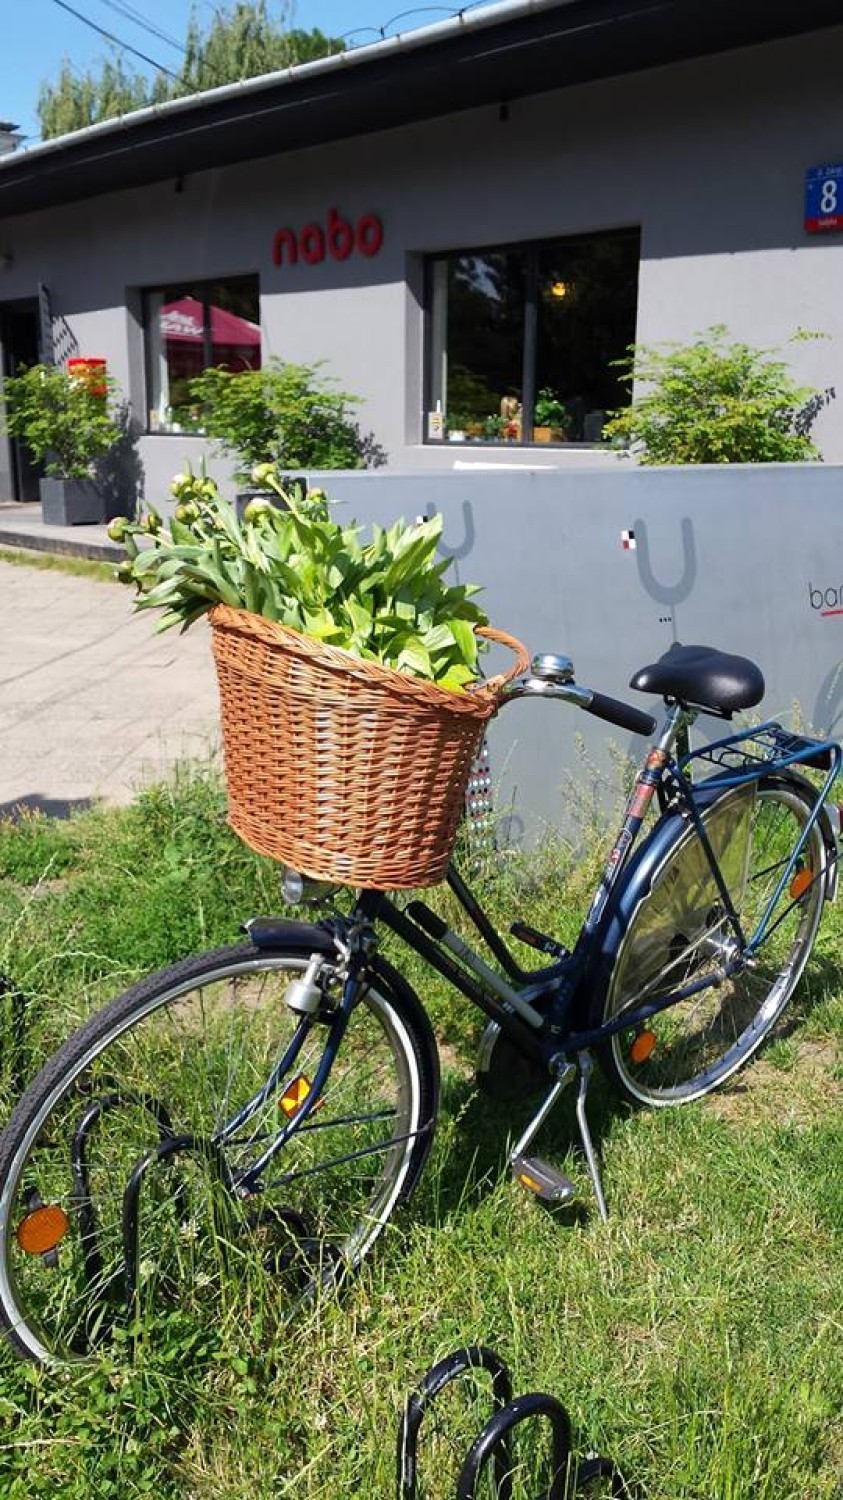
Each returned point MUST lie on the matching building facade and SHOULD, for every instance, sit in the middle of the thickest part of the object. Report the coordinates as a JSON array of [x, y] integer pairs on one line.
[[466, 228]]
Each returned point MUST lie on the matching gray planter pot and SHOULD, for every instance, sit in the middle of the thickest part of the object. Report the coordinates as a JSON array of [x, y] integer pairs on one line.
[[242, 497], [72, 502]]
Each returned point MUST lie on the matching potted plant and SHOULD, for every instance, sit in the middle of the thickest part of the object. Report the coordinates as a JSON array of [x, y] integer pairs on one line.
[[550, 417], [68, 422], [281, 415]]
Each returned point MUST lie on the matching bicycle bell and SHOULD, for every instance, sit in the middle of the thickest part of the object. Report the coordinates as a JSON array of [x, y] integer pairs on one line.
[[552, 668]]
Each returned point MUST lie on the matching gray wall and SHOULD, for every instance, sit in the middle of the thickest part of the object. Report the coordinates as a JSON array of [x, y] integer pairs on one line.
[[732, 558], [708, 157]]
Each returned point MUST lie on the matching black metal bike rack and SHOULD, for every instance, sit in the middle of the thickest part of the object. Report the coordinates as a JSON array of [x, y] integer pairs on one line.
[[491, 1451], [304, 1249], [186, 1145]]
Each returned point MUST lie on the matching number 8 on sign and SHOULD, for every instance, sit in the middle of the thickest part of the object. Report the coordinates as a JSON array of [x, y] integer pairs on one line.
[[823, 192]]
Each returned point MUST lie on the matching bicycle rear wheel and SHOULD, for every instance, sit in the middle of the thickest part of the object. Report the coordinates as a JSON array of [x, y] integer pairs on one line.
[[679, 933], [114, 1174]]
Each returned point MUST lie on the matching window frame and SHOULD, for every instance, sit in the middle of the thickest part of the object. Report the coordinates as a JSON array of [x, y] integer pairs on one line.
[[201, 290], [532, 249]]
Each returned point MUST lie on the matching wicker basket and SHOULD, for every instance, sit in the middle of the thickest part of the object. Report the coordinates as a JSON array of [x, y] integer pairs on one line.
[[344, 769]]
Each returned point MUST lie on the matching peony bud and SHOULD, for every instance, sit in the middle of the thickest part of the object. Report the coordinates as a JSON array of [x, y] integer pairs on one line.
[[255, 509]]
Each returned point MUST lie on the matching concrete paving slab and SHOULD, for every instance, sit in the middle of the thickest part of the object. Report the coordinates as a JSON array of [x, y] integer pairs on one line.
[[94, 705]]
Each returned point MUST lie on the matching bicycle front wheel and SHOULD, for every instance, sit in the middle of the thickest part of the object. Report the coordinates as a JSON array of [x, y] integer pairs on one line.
[[679, 933], [119, 1168]]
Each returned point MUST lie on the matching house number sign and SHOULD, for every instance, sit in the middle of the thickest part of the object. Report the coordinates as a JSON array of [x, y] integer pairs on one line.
[[824, 199]]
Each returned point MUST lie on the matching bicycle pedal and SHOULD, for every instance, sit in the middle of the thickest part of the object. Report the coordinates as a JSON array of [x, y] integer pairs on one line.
[[542, 1180], [535, 939]]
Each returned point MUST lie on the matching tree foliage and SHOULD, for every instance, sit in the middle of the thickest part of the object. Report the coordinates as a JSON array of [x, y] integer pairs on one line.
[[283, 414], [715, 402], [242, 41]]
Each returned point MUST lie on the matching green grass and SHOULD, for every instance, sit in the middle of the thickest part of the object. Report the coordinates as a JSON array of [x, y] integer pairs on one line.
[[696, 1337], [78, 567]]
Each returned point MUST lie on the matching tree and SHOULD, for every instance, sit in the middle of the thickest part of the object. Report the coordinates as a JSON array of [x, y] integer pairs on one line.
[[242, 41], [80, 99], [715, 402]]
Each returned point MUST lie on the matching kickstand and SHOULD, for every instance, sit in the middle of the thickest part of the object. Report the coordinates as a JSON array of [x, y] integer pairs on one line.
[[586, 1068]]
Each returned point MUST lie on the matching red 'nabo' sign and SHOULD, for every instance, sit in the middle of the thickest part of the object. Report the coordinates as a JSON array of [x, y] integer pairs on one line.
[[338, 240]]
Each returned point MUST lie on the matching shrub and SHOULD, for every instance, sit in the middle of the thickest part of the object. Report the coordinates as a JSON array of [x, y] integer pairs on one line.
[[66, 421], [282, 415], [715, 402]]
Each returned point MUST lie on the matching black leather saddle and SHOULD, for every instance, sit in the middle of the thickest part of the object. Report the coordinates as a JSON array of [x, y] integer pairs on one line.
[[701, 677]]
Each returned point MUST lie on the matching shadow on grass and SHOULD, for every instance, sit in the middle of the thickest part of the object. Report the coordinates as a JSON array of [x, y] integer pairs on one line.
[[483, 1130], [50, 807]]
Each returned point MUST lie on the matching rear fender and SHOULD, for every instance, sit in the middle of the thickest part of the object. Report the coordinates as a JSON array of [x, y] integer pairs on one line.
[[637, 882]]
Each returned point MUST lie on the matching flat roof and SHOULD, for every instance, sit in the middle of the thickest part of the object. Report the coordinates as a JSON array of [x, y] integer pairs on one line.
[[491, 55]]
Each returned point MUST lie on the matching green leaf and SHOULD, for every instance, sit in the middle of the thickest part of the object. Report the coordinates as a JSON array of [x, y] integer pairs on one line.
[[414, 658]]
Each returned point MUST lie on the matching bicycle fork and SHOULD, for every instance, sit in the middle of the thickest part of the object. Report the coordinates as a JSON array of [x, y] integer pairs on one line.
[[541, 1178]]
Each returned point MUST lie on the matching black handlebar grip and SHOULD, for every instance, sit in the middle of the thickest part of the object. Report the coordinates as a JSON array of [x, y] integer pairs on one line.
[[622, 714]]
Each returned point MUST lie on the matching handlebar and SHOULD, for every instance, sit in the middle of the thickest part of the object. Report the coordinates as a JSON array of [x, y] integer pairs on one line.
[[623, 715]]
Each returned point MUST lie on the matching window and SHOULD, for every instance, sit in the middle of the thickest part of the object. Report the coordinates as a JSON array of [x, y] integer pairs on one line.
[[522, 339], [190, 327]]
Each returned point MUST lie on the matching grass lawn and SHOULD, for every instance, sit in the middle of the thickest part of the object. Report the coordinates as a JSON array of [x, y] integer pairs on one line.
[[697, 1338]]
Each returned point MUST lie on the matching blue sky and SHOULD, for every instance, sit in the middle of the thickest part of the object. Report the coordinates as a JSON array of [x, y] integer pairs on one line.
[[38, 34]]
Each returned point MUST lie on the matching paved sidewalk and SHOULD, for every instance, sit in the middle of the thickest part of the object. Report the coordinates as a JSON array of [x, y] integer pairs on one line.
[[23, 526], [92, 703]]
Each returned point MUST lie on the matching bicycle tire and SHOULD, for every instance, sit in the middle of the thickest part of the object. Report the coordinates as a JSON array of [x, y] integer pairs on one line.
[[195, 1040], [678, 932]]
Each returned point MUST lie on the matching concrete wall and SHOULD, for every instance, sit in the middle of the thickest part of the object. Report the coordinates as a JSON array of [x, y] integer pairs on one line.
[[707, 157], [747, 560]]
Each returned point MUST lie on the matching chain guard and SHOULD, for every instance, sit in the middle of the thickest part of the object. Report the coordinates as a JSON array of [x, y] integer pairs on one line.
[[503, 1072]]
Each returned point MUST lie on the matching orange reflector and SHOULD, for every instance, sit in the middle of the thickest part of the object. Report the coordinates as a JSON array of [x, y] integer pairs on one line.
[[529, 1182], [801, 882], [294, 1095], [643, 1046], [42, 1229]]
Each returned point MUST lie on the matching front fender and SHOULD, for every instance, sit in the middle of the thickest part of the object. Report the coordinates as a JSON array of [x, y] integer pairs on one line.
[[277, 934]]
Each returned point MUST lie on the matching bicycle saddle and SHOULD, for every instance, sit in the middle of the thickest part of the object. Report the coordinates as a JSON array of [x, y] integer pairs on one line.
[[703, 678]]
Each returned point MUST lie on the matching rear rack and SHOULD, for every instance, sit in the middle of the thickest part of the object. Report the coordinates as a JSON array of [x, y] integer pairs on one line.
[[745, 756]]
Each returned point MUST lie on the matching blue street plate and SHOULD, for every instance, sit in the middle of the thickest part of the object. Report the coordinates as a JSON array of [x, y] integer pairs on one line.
[[824, 199]]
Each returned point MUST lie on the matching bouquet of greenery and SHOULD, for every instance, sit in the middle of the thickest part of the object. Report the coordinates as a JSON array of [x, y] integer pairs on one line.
[[383, 600]]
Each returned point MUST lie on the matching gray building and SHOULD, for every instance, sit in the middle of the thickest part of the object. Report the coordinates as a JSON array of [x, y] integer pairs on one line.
[[467, 224]]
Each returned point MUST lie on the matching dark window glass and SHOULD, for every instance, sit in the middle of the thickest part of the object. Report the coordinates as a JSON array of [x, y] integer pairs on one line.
[[191, 327], [485, 347], [523, 341]]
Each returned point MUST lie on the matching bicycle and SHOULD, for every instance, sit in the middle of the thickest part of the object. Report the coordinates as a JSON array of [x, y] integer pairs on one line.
[[265, 1108]]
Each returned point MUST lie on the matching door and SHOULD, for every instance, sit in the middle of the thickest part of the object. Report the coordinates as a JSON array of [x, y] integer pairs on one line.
[[18, 350]]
